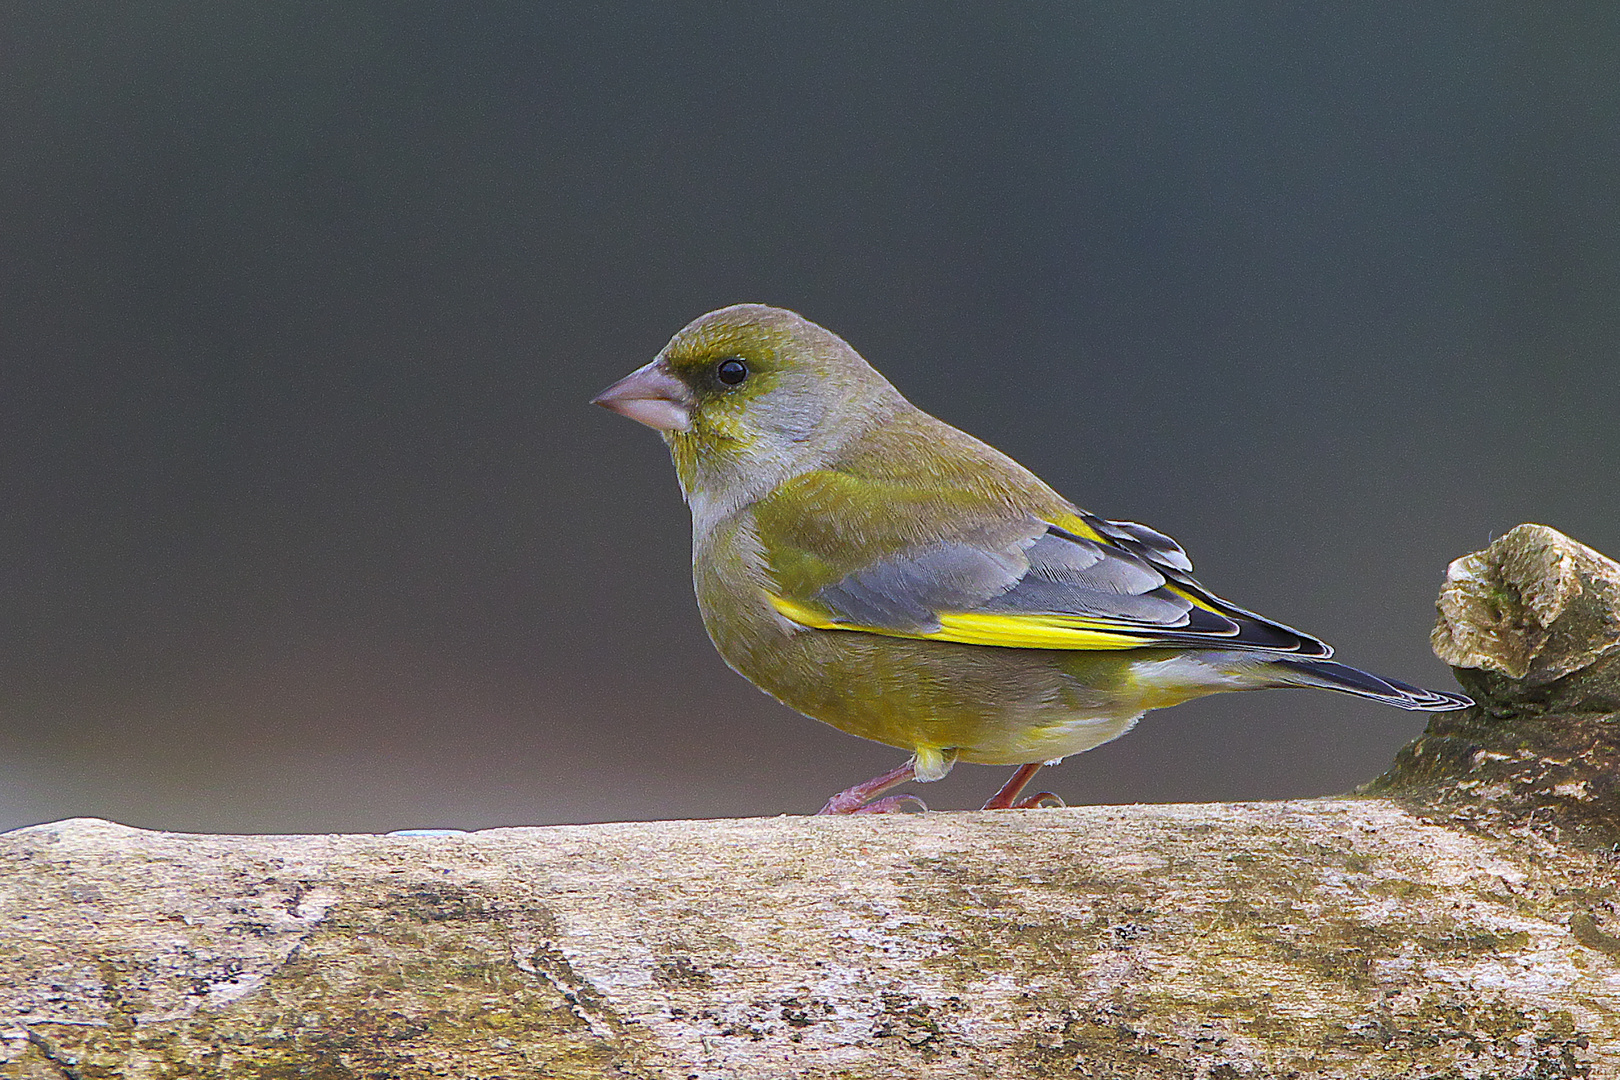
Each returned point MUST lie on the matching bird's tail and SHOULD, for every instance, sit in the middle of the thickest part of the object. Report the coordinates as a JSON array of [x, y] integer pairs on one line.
[[1328, 675]]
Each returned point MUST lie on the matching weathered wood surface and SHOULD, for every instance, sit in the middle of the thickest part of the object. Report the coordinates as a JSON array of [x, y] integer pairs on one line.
[[1462, 922], [1335, 937]]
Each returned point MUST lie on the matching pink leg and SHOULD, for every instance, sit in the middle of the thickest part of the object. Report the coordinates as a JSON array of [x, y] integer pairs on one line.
[[858, 799], [1004, 799], [1007, 797]]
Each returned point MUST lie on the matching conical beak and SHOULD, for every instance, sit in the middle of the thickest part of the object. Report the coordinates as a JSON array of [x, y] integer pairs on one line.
[[650, 395]]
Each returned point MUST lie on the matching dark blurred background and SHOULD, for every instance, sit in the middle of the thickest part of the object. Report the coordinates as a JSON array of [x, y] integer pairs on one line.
[[307, 524]]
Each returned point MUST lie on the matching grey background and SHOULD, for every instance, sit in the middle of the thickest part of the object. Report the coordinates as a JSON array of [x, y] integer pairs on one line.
[[306, 522]]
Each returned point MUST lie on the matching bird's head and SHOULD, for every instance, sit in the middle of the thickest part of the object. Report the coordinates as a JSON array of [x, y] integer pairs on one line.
[[748, 396]]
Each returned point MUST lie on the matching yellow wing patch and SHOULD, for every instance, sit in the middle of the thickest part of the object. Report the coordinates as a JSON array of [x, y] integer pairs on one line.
[[1075, 524], [1004, 631], [1194, 598]]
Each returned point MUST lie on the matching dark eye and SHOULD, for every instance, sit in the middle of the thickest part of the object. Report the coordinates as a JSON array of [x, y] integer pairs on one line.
[[731, 371]]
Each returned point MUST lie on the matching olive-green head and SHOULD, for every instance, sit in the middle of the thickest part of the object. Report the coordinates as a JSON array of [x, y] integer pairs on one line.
[[749, 395]]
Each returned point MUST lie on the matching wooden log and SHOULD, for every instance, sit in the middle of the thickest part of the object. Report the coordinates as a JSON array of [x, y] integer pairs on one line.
[[1458, 918]]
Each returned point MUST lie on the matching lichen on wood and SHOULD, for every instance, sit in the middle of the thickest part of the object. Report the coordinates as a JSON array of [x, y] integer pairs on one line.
[[1531, 626], [1457, 920]]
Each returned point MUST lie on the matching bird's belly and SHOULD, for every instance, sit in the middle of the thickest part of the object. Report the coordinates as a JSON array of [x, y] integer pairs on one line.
[[992, 706], [1048, 741]]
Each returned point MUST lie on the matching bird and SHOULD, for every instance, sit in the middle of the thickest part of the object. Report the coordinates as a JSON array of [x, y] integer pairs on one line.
[[879, 570]]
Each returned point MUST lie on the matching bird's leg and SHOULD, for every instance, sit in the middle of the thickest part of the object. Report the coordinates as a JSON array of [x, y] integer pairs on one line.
[[858, 799], [1004, 799], [1007, 797]]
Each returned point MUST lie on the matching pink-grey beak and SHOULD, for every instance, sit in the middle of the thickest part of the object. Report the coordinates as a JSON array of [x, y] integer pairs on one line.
[[650, 395]]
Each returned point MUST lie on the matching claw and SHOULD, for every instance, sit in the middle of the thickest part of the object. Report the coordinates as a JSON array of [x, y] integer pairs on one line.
[[855, 800], [1046, 800], [894, 804]]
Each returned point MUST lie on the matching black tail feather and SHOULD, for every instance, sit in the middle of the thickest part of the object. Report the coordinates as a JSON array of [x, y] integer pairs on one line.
[[1331, 675]]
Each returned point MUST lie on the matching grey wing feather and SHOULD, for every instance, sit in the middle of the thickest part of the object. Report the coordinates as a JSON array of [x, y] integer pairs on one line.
[[1042, 570], [1071, 576], [906, 592], [1138, 583], [1147, 542]]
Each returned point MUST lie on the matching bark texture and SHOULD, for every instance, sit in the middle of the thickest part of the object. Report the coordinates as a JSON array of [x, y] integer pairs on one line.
[[1458, 919]]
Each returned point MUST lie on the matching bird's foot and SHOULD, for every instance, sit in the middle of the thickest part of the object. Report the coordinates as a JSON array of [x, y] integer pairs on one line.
[[893, 804], [859, 799], [1046, 800]]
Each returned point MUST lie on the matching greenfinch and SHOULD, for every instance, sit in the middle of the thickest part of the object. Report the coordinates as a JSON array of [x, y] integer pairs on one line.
[[876, 569]]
